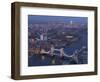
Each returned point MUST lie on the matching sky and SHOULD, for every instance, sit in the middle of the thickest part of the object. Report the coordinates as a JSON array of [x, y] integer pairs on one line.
[[44, 19]]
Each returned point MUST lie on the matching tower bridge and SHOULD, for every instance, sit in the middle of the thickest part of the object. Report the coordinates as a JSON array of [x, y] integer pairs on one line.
[[61, 53]]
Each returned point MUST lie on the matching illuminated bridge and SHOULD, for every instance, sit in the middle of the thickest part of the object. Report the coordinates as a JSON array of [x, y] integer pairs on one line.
[[61, 53]]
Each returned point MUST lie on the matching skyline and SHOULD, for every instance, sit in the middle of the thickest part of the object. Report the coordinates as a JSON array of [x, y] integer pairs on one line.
[[57, 40]]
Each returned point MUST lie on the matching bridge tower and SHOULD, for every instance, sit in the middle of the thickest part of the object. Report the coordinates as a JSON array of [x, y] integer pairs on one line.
[[61, 52], [52, 50]]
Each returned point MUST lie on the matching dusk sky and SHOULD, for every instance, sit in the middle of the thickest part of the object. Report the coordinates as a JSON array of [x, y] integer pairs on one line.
[[44, 19]]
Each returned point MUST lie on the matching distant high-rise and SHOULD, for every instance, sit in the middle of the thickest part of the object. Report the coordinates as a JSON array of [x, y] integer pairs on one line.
[[41, 37]]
